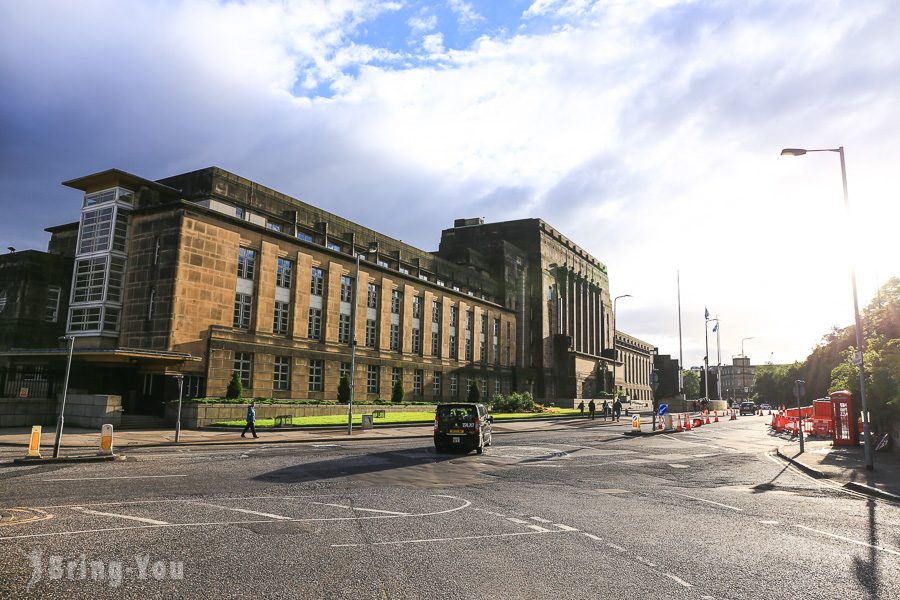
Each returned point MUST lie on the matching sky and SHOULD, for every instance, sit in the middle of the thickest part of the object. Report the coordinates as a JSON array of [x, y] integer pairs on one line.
[[647, 131]]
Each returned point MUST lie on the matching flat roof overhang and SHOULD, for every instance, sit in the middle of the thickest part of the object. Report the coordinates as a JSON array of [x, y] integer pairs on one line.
[[104, 355]]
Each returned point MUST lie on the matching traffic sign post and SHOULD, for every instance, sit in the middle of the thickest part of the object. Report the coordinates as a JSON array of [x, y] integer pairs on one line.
[[799, 392], [654, 385]]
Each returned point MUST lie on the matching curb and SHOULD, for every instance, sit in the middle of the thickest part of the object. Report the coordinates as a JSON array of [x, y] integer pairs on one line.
[[68, 459], [871, 491], [806, 469]]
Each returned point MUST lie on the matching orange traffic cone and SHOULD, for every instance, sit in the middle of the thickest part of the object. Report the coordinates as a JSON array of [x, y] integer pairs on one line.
[[680, 419], [707, 419], [687, 422], [717, 417]]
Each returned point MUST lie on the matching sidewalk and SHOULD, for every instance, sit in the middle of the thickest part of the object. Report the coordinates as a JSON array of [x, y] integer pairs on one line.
[[846, 465], [74, 437]]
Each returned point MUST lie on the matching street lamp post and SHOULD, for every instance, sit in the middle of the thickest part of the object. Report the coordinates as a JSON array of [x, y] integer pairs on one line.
[[870, 464], [62, 407], [744, 368], [180, 379], [354, 309], [615, 356]]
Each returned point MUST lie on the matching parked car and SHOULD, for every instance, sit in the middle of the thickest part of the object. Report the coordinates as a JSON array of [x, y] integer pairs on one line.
[[464, 426], [765, 406], [748, 408]]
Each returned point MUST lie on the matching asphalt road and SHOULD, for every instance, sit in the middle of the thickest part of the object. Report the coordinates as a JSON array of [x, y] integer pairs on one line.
[[573, 512]]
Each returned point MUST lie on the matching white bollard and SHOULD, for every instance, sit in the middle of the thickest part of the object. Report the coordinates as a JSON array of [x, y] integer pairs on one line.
[[106, 440], [34, 445]]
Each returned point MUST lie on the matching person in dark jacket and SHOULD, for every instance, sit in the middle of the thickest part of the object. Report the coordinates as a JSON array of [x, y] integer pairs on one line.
[[617, 409], [251, 420], [592, 408], [581, 407]]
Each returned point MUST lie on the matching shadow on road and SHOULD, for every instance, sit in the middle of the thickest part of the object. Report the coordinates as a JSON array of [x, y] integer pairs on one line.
[[866, 570]]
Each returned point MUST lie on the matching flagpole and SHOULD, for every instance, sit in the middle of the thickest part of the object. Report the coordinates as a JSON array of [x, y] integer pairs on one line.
[[680, 351], [718, 359], [706, 358]]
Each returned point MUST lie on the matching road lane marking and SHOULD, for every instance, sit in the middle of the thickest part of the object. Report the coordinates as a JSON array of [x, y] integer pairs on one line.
[[118, 516], [540, 519], [450, 539], [515, 520], [615, 547], [375, 510], [538, 528], [121, 477], [465, 504], [768, 522], [644, 561], [852, 541], [678, 580], [244, 510], [677, 466], [564, 527], [593, 537], [709, 502]]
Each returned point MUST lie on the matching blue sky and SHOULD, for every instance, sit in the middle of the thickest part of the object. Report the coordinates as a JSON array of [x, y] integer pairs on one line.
[[648, 131]]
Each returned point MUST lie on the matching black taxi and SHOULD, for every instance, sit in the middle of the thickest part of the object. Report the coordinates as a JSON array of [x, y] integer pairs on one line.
[[464, 426]]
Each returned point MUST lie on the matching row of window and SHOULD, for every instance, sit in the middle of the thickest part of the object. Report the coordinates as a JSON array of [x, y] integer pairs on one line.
[[281, 377]]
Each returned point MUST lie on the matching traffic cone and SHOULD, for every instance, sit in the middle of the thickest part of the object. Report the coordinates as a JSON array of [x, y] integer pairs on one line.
[[733, 416], [707, 419], [717, 417], [680, 419], [687, 422]]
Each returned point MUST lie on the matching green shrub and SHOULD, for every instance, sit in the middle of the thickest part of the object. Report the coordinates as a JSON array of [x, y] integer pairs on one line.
[[515, 402], [474, 393], [344, 389], [235, 388], [397, 392]]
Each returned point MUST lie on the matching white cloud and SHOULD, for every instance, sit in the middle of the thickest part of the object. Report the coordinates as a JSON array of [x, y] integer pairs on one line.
[[465, 13], [422, 23]]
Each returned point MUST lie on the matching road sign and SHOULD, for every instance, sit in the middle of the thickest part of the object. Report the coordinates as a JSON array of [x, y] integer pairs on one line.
[[663, 409], [654, 380], [635, 422], [857, 358]]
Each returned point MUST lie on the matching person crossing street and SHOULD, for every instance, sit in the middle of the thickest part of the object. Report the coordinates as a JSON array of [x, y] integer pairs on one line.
[[251, 420]]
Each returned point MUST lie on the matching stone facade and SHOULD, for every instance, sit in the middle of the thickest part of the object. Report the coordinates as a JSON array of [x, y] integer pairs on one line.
[[636, 357]]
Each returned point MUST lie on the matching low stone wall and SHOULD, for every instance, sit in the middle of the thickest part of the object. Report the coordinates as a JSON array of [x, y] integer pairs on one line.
[[24, 412], [194, 416]]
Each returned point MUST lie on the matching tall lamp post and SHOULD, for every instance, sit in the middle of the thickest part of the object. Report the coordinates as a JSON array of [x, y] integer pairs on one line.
[[615, 356], [354, 309], [180, 379], [744, 367], [870, 465], [62, 406]]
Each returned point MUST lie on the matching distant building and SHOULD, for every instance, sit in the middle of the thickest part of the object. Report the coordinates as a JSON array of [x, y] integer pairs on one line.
[[636, 357], [737, 379]]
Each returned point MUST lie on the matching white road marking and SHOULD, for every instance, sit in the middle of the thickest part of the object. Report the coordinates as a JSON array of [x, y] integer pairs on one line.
[[768, 522], [644, 561], [540, 520], [515, 520], [678, 580], [852, 541], [564, 527], [121, 477], [244, 510], [451, 539], [677, 466], [615, 547], [538, 528], [375, 510], [124, 502], [709, 502], [593, 537], [118, 516], [465, 504]]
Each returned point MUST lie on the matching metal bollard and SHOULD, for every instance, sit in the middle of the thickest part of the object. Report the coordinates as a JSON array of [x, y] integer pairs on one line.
[[106, 440]]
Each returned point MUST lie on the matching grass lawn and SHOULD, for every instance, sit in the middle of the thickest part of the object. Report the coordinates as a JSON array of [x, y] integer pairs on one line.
[[392, 418]]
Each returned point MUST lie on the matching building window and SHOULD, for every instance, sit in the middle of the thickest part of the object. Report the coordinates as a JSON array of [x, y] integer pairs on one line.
[[285, 273], [345, 371], [121, 232], [417, 383], [315, 376], [344, 329], [85, 319], [273, 226], [436, 385], [95, 230], [371, 333], [317, 282], [243, 364], [372, 298], [333, 246], [246, 263], [243, 304], [111, 319], [454, 316], [470, 317], [51, 313], [454, 385], [372, 379], [435, 343], [454, 347], [315, 324], [99, 198], [396, 376], [156, 251], [114, 281], [435, 311], [281, 378], [496, 387], [304, 236], [395, 337], [282, 314], [468, 347], [346, 288], [90, 274], [151, 304], [239, 212], [396, 301], [417, 307], [481, 350], [417, 341]]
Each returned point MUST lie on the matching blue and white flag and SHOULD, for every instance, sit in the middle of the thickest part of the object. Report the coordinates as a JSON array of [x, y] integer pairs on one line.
[[716, 327], [706, 311]]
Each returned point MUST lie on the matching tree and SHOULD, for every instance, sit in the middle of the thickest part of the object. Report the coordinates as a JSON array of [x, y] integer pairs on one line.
[[397, 392], [344, 389], [474, 393], [774, 384], [235, 388], [691, 384]]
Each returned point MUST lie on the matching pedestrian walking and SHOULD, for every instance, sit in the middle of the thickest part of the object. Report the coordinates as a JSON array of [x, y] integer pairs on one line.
[[617, 409], [581, 407], [251, 420], [592, 409], [605, 409]]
